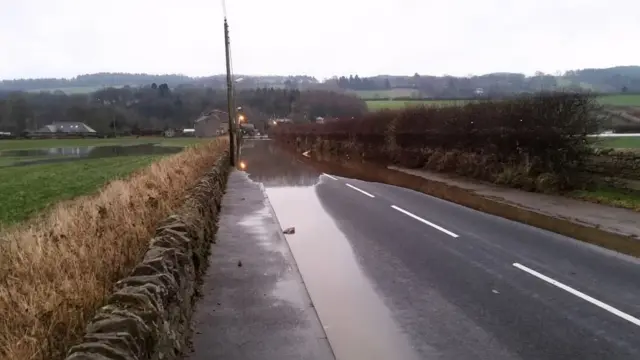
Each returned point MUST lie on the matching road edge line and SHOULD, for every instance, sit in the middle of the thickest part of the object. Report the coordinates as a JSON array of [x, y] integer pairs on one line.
[[579, 294]]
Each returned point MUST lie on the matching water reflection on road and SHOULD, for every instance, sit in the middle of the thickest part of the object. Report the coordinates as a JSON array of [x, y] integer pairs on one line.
[[356, 320]]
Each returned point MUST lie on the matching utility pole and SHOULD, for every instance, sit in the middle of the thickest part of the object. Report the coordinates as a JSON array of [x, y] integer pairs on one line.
[[230, 109]]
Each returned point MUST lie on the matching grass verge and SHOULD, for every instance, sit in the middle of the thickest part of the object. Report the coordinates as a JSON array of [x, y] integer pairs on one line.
[[624, 198], [57, 270]]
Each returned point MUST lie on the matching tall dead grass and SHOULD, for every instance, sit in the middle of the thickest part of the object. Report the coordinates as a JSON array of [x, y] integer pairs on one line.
[[56, 271]]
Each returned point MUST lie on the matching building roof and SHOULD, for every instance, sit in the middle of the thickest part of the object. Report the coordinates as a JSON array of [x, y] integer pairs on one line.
[[67, 127], [208, 117]]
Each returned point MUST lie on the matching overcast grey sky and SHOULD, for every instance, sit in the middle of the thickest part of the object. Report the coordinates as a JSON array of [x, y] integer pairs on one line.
[[63, 38]]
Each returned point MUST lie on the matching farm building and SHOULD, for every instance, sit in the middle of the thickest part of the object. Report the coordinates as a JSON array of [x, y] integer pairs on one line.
[[210, 125], [67, 127]]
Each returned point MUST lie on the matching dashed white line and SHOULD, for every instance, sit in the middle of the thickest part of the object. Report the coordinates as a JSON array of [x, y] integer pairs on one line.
[[579, 294], [425, 221], [329, 176], [360, 190]]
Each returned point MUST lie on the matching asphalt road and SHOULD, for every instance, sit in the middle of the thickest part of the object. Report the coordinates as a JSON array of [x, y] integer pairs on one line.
[[396, 274]]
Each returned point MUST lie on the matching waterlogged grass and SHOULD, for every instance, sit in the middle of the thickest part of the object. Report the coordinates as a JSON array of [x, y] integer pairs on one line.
[[624, 198], [57, 143], [27, 190]]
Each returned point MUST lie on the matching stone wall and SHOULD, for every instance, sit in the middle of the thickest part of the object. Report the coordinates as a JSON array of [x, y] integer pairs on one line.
[[148, 314]]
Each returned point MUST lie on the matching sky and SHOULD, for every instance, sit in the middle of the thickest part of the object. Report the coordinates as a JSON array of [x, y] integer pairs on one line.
[[321, 38]]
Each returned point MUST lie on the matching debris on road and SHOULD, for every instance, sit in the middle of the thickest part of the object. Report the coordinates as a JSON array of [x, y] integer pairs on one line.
[[289, 231]]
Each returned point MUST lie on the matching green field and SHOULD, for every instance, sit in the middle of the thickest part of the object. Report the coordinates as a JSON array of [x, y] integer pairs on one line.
[[51, 143], [620, 100], [628, 142], [26, 190], [374, 105]]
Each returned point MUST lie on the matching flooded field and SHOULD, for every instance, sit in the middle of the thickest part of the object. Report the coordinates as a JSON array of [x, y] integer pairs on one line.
[[22, 157]]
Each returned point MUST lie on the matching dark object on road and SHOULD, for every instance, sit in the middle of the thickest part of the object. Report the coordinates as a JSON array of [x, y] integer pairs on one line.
[[239, 263], [290, 231]]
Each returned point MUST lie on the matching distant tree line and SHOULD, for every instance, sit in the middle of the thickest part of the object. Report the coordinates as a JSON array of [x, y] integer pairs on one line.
[[159, 107], [611, 80], [103, 80], [624, 79]]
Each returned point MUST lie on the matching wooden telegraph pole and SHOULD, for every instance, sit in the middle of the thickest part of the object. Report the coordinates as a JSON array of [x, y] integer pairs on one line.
[[230, 109]]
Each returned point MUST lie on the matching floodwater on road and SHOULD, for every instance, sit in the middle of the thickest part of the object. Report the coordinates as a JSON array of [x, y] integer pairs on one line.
[[64, 154], [356, 320]]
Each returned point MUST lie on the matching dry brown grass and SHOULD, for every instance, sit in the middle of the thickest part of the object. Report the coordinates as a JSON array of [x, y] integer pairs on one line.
[[56, 271]]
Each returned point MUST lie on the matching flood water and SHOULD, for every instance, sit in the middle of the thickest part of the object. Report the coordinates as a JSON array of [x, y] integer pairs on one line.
[[23, 157], [352, 312]]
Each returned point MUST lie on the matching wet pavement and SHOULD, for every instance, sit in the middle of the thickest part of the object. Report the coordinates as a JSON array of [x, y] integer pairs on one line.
[[23, 157], [254, 304], [396, 274]]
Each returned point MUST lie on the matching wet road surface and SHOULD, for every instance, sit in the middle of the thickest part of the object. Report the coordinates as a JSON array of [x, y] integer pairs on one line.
[[396, 274]]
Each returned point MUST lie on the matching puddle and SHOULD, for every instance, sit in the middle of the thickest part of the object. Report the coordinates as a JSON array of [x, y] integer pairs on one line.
[[273, 166], [356, 320], [64, 154]]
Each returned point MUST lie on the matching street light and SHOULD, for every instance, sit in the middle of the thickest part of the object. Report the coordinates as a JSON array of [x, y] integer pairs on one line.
[[241, 118]]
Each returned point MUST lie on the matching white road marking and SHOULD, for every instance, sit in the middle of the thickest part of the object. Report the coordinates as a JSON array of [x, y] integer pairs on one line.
[[579, 294], [329, 176], [362, 191], [425, 221]]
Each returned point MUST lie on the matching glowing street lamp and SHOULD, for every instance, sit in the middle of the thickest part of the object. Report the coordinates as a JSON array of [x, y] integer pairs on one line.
[[241, 118]]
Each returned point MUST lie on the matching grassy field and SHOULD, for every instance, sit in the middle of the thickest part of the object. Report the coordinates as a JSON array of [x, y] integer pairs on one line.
[[609, 100], [27, 190], [54, 143], [375, 105], [620, 100], [627, 142], [385, 94]]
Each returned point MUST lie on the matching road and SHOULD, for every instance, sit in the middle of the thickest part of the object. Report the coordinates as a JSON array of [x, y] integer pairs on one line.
[[396, 274]]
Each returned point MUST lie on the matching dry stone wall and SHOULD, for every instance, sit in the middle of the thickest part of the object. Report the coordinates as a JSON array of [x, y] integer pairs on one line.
[[148, 314]]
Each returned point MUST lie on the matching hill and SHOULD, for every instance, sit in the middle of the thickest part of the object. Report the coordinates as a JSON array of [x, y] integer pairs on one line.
[[620, 79], [92, 82]]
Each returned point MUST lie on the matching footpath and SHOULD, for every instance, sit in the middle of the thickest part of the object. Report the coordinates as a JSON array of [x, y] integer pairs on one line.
[[610, 219], [254, 303]]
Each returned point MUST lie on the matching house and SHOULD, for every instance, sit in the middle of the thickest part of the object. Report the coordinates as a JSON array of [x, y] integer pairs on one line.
[[67, 128], [210, 124]]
